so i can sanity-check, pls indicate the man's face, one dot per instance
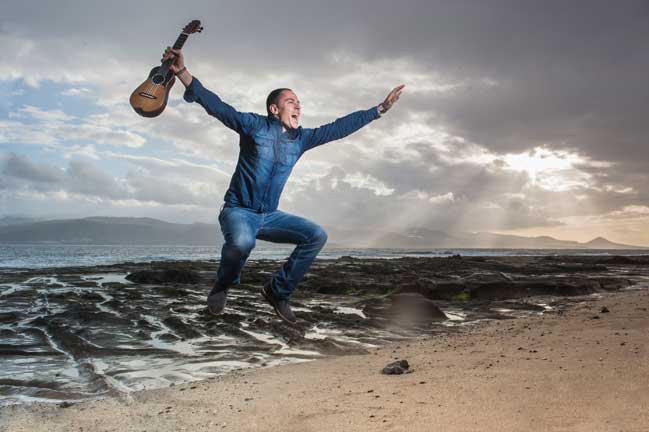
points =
(288, 109)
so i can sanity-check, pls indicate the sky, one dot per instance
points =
(518, 117)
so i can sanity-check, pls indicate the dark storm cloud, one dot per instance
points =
(567, 74)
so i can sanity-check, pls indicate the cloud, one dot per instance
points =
(76, 91)
(55, 128)
(494, 92)
(53, 116)
(85, 180)
(21, 168)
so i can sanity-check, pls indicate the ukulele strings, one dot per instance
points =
(150, 89)
(152, 86)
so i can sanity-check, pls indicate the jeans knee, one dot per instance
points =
(319, 237)
(241, 247)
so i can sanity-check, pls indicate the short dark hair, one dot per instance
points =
(273, 98)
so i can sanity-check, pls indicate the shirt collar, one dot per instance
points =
(291, 133)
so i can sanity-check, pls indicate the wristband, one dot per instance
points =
(181, 71)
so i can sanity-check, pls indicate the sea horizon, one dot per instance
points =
(46, 255)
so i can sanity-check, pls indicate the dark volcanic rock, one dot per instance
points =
(9, 317)
(89, 296)
(173, 291)
(17, 352)
(618, 260)
(179, 326)
(163, 276)
(70, 342)
(531, 287)
(87, 314)
(581, 267)
(613, 284)
(397, 368)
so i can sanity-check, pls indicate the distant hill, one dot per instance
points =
(119, 230)
(15, 220)
(602, 243)
(110, 230)
(425, 238)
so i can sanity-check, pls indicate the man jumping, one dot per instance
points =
(269, 147)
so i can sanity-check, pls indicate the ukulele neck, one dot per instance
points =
(180, 42)
(182, 38)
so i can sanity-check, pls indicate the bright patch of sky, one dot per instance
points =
(552, 170)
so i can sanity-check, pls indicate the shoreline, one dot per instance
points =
(560, 372)
(332, 254)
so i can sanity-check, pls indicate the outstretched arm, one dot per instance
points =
(195, 92)
(350, 123)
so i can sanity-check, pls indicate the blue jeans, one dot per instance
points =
(242, 226)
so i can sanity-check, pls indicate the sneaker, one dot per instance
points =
(282, 309)
(216, 300)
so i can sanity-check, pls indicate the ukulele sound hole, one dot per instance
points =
(158, 79)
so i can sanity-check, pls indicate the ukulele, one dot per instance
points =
(150, 98)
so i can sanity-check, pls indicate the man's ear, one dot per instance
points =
(274, 109)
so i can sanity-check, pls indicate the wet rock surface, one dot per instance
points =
(69, 334)
(164, 276)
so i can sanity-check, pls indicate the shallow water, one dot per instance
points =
(73, 334)
(63, 340)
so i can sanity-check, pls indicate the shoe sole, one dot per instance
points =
(263, 293)
(211, 312)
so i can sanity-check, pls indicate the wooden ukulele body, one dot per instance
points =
(150, 98)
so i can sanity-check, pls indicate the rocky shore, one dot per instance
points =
(76, 334)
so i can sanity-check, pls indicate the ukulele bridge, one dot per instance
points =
(147, 95)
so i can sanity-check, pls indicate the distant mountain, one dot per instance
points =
(424, 238)
(16, 220)
(490, 240)
(111, 230)
(602, 243)
(120, 230)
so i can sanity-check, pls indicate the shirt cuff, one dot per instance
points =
(192, 91)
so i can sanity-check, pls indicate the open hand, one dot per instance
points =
(392, 97)
(179, 61)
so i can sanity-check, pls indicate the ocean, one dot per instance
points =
(68, 255)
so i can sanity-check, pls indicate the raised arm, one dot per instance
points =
(349, 124)
(214, 106)
(338, 129)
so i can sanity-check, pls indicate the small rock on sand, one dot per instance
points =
(397, 368)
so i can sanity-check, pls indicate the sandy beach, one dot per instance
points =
(579, 370)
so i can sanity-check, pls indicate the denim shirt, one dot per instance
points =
(266, 154)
